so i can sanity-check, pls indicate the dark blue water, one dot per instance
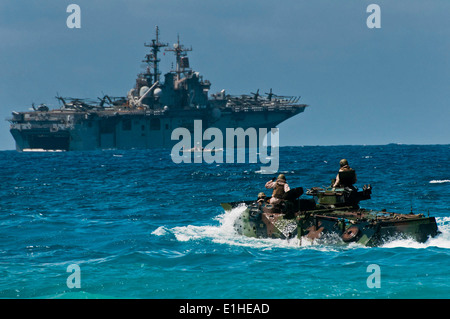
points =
(140, 226)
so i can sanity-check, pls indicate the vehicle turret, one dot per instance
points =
(337, 197)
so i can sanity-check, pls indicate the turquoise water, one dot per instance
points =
(140, 226)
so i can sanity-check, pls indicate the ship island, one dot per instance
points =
(151, 110)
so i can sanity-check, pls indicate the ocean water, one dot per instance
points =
(139, 226)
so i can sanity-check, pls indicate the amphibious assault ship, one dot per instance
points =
(152, 109)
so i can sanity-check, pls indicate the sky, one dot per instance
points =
(364, 86)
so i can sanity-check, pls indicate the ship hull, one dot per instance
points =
(131, 130)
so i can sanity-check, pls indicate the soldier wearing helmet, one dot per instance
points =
(280, 187)
(346, 176)
(261, 198)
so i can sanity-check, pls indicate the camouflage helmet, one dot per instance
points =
(261, 195)
(281, 176)
(343, 162)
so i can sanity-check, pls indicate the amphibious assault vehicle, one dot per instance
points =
(332, 213)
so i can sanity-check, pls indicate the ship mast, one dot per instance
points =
(152, 58)
(181, 57)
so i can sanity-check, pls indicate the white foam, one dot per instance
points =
(439, 181)
(224, 233)
(441, 241)
(160, 231)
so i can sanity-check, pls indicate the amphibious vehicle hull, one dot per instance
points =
(304, 218)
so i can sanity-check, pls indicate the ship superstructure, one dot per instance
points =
(152, 109)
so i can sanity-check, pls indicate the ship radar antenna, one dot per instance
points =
(152, 58)
(181, 57)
